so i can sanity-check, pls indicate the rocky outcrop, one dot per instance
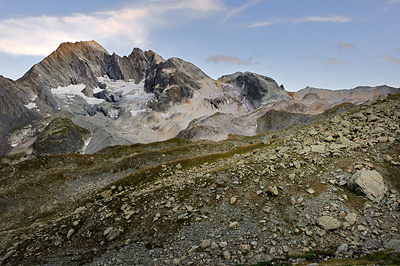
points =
(369, 183)
(255, 89)
(173, 81)
(61, 136)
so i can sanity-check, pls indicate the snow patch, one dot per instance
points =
(166, 115)
(97, 90)
(31, 105)
(87, 141)
(71, 91)
(169, 70)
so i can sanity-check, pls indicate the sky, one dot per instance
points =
(333, 44)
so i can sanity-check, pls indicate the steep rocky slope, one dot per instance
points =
(328, 189)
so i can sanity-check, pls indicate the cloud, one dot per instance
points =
(241, 8)
(333, 19)
(389, 4)
(345, 45)
(390, 58)
(227, 59)
(130, 25)
(334, 61)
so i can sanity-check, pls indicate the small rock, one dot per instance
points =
(223, 244)
(372, 118)
(285, 249)
(106, 194)
(214, 245)
(272, 250)
(318, 148)
(107, 231)
(273, 190)
(342, 249)
(233, 200)
(205, 243)
(310, 191)
(351, 218)
(245, 247)
(388, 158)
(227, 255)
(233, 225)
(300, 200)
(70, 233)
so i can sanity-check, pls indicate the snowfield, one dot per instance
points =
(71, 91)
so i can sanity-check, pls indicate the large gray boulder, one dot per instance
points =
(368, 183)
(328, 223)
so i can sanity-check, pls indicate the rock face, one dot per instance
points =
(173, 81)
(369, 183)
(255, 89)
(83, 63)
(61, 136)
(13, 112)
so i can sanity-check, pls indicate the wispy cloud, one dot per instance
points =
(227, 59)
(241, 8)
(345, 45)
(131, 25)
(333, 19)
(334, 61)
(390, 58)
(389, 4)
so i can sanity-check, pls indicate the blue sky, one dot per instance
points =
(331, 44)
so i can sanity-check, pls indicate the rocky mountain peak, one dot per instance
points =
(255, 88)
(79, 47)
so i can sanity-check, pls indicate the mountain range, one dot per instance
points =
(138, 160)
(142, 98)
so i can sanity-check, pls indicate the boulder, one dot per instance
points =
(328, 223)
(318, 148)
(368, 183)
(393, 245)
